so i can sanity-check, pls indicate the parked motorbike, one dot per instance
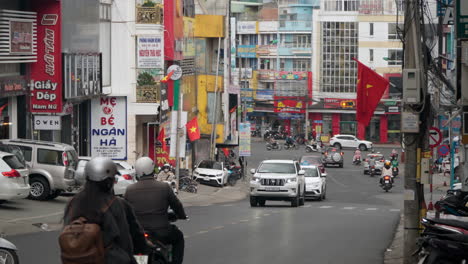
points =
(357, 161)
(372, 171)
(386, 183)
(454, 203)
(234, 174)
(8, 252)
(395, 171)
(443, 241)
(270, 146)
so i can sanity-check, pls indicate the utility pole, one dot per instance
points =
(413, 189)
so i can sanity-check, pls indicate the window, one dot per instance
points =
(302, 41)
(371, 55)
(14, 162)
(301, 65)
(27, 152)
(209, 164)
(395, 57)
(50, 157)
(393, 30)
(311, 172)
(211, 108)
(277, 168)
(371, 29)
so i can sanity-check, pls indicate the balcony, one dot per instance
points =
(294, 50)
(299, 2)
(267, 50)
(150, 15)
(295, 25)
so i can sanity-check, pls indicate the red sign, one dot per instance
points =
(46, 73)
(162, 157)
(285, 104)
(336, 102)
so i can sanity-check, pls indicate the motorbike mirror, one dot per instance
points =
(324, 175)
(252, 171)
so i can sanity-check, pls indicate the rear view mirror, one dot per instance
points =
(252, 171)
(301, 172)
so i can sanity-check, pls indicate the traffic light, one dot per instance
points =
(347, 104)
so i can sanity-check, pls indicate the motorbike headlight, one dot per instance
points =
(291, 180)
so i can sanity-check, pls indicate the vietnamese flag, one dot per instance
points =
(161, 138)
(370, 89)
(192, 129)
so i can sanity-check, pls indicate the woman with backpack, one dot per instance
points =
(100, 228)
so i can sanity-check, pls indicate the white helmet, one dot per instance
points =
(99, 169)
(144, 166)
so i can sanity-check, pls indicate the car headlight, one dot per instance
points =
(315, 185)
(291, 180)
(195, 173)
(219, 174)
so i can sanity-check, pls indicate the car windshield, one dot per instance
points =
(375, 156)
(209, 164)
(277, 168)
(309, 160)
(310, 172)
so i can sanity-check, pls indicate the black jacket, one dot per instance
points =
(151, 200)
(121, 232)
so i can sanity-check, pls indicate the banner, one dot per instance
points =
(285, 104)
(150, 52)
(109, 127)
(46, 73)
(182, 137)
(162, 157)
(244, 140)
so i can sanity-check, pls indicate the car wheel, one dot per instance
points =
(40, 189)
(337, 145)
(308, 150)
(295, 201)
(362, 147)
(268, 148)
(253, 201)
(262, 202)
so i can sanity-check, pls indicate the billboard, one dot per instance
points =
(150, 52)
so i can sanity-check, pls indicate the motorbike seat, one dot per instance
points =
(448, 222)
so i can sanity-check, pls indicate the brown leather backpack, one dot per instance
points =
(81, 242)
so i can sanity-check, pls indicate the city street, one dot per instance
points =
(355, 224)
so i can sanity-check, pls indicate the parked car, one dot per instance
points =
(125, 174)
(13, 178)
(350, 141)
(210, 171)
(379, 162)
(13, 150)
(281, 180)
(332, 156)
(52, 166)
(313, 161)
(315, 182)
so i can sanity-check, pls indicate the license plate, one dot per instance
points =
(387, 181)
(272, 189)
(206, 178)
(141, 259)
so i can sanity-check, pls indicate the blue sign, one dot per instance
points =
(443, 150)
(442, 6)
(247, 51)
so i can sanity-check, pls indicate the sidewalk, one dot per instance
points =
(208, 195)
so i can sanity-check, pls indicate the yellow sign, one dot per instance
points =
(427, 154)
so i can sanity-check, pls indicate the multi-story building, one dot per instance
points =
(366, 30)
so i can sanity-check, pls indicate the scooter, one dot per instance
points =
(372, 171)
(173, 186)
(8, 252)
(270, 146)
(314, 147)
(395, 171)
(386, 183)
(454, 204)
(357, 161)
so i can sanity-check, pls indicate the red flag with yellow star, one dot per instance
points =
(370, 89)
(192, 129)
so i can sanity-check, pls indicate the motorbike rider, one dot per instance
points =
(357, 154)
(273, 142)
(122, 234)
(151, 200)
(394, 163)
(289, 141)
(166, 175)
(386, 171)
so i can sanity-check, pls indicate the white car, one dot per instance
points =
(350, 141)
(210, 171)
(125, 175)
(280, 180)
(379, 162)
(315, 183)
(14, 182)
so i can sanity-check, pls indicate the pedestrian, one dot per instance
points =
(121, 234)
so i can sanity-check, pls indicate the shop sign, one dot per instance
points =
(47, 122)
(462, 19)
(21, 37)
(162, 157)
(268, 26)
(282, 75)
(247, 51)
(82, 75)
(264, 94)
(290, 116)
(46, 73)
(244, 140)
(12, 87)
(109, 127)
(393, 109)
(284, 104)
(233, 43)
(189, 45)
(336, 103)
(150, 52)
(164, 107)
(246, 27)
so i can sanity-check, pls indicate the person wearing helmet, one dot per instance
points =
(357, 154)
(122, 234)
(151, 200)
(167, 175)
(386, 171)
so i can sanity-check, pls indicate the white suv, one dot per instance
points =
(350, 141)
(277, 180)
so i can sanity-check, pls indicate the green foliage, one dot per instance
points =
(149, 3)
(144, 78)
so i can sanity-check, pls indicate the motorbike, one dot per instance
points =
(443, 241)
(291, 146)
(395, 171)
(161, 253)
(454, 203)
(386, 183)
(8, 252)
(313, 147)
(372, 171)
(270, 146)
(173, 186)
(234, 174)
(300, 139)
(357, 161)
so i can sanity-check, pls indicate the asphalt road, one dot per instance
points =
(355, 224)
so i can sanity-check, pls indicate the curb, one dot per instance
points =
(394, 253)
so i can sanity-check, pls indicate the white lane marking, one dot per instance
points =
(234, 223)
(34, 217)
(307, 206)
(371, 209)
(349, 208)
(226, 205)
(186, 237)
(244, 220)
(257, 217)
(202, 232)
(266, 214)
(395, 210)
(326, 206)
(217, 227)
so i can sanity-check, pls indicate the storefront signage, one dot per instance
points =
(21, 37)
(290, 116)
(337, 103)
(284, 104)
(12, 86)
(82, 76)
(246, 27)
(393, 109)
(233, 43)
(47, 122)
(264, 94)
(268, 26)
(244, 140)
(247, 51)
(282, 75)
(109, 127)
(462, 19)
(189, 45)
(46, 73)
(150, 52)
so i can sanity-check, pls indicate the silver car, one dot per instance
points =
(125, 175)
(379, 162)
(13, 178)
(52, 166)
